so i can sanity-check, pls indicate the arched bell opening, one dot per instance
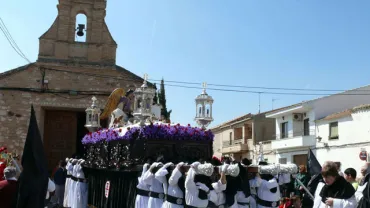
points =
(81, 28)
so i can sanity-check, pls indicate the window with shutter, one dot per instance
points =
(333, 128)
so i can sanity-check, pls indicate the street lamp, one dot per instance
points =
(93, 116)
(143, 102)
(203, 104)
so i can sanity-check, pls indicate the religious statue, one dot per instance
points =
(119, 117)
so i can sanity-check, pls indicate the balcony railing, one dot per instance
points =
(232, 143)
(295, 140)
(235, 146)
(293, 134)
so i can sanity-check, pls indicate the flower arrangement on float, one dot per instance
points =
(150, 132)
(112, 147)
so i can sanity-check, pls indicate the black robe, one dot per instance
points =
(340, 189)
(365, 200)
(235, 184)
(33, 181)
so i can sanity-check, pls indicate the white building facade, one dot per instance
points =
(296, 125)
(344, 136)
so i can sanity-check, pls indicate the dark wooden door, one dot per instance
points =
(300, 159)
(59, 136)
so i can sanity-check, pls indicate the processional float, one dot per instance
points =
(136, 132)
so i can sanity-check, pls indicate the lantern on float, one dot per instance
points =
(203, 104)
(143, 102)
(93, 116)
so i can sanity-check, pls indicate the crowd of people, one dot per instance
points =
(66, 188)
(165, 185)
(70, 184)
(8, 188)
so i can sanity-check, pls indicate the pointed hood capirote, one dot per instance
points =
(33, 181)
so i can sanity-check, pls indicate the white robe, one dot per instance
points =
(337, 203)
(359, 194)
(72, 187)
(154, 186)
(240, 197)
(81, 189)
(174, 189)
(51, 188)
(284, 178)
(192, 191)
(142, 201)
(217, 196)
(264, 192)
(69, 168)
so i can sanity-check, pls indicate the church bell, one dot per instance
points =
(80, 29)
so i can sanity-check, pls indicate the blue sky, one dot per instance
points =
(270, 43)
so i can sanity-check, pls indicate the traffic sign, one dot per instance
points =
(363, 155)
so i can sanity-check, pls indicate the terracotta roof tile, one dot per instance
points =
(337, 115)
(240, 118)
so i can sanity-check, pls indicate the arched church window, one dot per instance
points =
(81, 26)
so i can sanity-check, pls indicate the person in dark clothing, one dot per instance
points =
(8, 188)
(60, 177)
(304, 178)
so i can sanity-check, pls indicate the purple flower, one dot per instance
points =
(150, 132)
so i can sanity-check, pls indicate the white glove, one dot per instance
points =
(168, 165)
(195, 165)
(145, 166)
(153, 166)
(202, 186)
(159, 164)
(178, 166)
(224, 168)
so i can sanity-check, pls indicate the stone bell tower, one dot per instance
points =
(58, 45)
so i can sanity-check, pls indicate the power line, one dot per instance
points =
(11, 41)
(214, 89)
(156, 81)
(54, 91)
(262, 92)
(181, 86)
(14, 45)
(255, 87)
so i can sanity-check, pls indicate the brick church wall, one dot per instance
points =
(15, 106)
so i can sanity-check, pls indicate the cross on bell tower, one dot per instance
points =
(58, 44)
(204, 87)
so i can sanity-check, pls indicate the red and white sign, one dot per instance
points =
(363, 155)
(107, 187)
